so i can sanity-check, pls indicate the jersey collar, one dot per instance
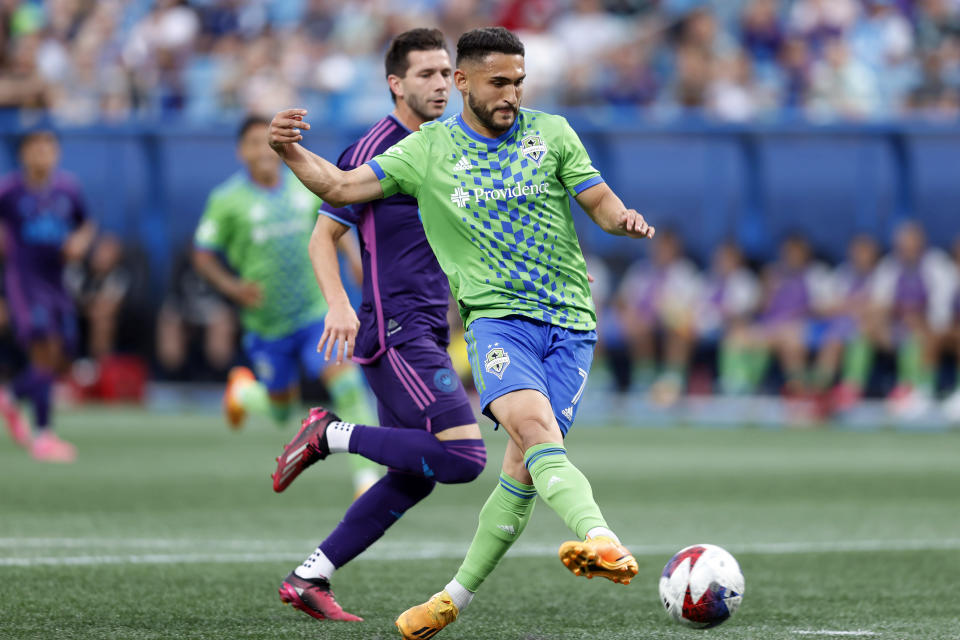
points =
(490, 142)
(274, 190)
(399, 124)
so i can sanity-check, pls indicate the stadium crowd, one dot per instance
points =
(731, 60)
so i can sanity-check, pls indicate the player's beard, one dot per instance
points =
(485, 116)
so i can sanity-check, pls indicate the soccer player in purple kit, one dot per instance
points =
(44, 225)
(401, 337)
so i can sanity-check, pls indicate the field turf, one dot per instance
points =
(167, 527)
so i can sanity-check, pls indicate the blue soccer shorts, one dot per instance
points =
(513, 353)
(277, 361)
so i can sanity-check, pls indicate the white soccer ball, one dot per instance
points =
(701, 586)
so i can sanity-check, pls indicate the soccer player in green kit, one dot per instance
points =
(492, 185)
(258, 222)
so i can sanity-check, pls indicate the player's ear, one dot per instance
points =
(394, 83)
(460, 80)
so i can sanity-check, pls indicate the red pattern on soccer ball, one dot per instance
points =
(693, 553)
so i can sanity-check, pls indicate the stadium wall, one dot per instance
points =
(709, 182)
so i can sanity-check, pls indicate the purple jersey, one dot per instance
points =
(405, 294)
(910, 295)
(789, 297)
(35, 225)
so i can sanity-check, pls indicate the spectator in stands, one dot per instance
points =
(21, 85)
(794, 290)
(656, 305)
(156, 51)
(913, 290)
(761, 30)
(726, 303)
(841, 86)
(847, 327)
(821, 21)
(937, 22)
(794, 72)
(193, 312)
(109, 287)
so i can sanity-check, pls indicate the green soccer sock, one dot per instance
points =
(280, 410)
(351, 403)
(911, 366)
(757, 362)
(254, 398)
(564, 488)
(857, 360)
(502, 519)
(734, 370)
(350, 399)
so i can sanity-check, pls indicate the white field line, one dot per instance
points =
(833, 632)
(192, 551)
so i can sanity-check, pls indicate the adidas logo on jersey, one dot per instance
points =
(508, 528)
(568, 413)
(393, 326)
(462, 164)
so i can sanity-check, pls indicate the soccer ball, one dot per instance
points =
(701, 586)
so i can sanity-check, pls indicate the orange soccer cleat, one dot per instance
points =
(232, 408)
(427, 619)
(600, 556)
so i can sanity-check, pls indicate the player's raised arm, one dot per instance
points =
(325, 179)
(606, 209)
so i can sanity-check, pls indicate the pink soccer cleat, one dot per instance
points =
(17, 426)
(308, 446)
(49, 448)
(314, 598)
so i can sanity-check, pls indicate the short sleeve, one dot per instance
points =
(213, 231)
(402, 167)
(575, 170)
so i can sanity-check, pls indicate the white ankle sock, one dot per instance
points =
(316, 566)
(603, 531)
(460, 595)
(338, 436)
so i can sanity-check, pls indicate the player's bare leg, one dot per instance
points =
(528, 418)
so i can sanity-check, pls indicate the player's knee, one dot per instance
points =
(415, 488)
(534, 429)
(464, 461)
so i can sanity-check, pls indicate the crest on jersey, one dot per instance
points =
(496, 361)
(532, 147)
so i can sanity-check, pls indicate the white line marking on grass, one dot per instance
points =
(833, 632)
(194, 551)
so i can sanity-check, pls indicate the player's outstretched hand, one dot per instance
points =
(286, 127)
(247, 294)
(340, 328)
(633, 225)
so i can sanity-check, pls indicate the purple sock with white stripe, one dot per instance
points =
(421, 453)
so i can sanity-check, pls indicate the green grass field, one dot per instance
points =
(167, 527)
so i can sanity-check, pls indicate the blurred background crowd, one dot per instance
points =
(729, 60)
(883, 322)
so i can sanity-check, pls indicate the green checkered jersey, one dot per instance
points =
(263, 235)
(497, 214)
